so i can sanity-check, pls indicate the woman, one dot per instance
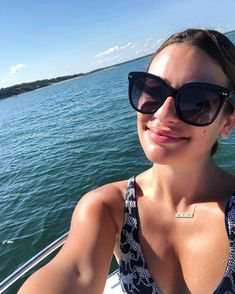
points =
(168, 235)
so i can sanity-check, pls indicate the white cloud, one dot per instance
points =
(4, 81)
(113, 50)
(107, 52)
(16, 68)
(121, 53)
(128, 45)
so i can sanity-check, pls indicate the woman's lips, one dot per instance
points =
(165, 137)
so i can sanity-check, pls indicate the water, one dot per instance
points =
(59, 142)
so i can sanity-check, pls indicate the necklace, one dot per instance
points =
(183, 214)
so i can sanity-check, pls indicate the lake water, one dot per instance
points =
(59, 142)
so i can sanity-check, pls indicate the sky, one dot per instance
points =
(51, 38)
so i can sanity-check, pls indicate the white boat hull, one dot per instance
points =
(113, 285)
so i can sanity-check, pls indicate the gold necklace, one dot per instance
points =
(182, 214)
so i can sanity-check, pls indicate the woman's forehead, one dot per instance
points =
(181, 63)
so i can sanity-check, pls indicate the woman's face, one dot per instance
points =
(164, 138)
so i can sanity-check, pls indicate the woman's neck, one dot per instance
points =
(184, 185)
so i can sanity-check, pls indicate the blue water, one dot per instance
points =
(59, 142)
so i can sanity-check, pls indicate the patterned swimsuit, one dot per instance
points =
(133, 272)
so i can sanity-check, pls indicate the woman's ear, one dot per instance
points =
(229, 123)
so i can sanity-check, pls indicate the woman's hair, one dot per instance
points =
(217, 46)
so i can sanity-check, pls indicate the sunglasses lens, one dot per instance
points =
(147, 94)
(198, 105)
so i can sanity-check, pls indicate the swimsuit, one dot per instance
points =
(133, 272)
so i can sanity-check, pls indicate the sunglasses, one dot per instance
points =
(197, 104)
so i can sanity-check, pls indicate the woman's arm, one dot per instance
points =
(83, 263)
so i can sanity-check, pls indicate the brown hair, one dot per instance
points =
(217, 46)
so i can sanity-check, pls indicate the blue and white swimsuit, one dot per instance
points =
(133, 272)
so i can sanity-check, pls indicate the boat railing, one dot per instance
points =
(12, 278)
(112, 283)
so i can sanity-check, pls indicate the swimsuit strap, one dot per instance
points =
(131, 210)
(230, 218)
(228, 281)
(133, 273)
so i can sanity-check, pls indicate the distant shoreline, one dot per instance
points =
(27, 87)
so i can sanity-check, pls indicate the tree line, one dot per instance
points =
(26, 87)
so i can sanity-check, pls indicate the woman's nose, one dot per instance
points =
(167, 112)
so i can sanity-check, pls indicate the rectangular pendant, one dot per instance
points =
(184, 215)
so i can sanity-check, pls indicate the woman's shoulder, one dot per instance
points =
(109, 193)
(107, 198)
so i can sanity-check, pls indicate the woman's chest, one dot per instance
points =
(186, 254)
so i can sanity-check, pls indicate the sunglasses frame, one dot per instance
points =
(223, 93)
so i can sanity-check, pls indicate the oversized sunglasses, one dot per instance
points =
(196, 104)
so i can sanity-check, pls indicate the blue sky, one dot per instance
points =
(48, 38)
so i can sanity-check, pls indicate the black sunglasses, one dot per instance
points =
(196, 104)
